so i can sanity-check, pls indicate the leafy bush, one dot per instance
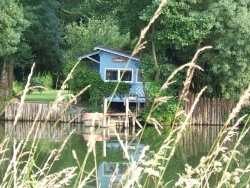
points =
(164, 111)
(17, 87)
(37, 81)
(99, 89)
(48, 81)
(42, 80)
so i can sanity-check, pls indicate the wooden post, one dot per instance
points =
(126, 139)
(126, 112)
(105, 105)
(104, 142)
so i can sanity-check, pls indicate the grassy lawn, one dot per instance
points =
(44, 96)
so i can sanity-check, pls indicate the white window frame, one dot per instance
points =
(119, 70)
(137, 74)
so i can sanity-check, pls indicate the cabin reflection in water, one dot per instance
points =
(113, 174)
(110, 173)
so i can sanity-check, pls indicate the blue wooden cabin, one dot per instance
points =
(111, 63)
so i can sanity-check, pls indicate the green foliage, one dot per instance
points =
(187, 25)
(184, 25)
(42, 80)
(82, 38)
(228, 64)
(246, 111)
(17, 87)
(12, 24)
(94, 109)
(37, 81)
(47, 81)
(180, 24)
(122, 90)
(165, 112)
(125, 11)
(23, 58)
(152, 137)
(42, 40)
(84, 76)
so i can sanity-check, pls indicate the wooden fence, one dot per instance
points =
(43, 112)
(208, 111)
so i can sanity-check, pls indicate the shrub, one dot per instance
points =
(99, 89)
(42, 80)
(48, 81)
(17, 87)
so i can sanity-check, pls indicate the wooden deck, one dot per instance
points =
(116, 126)
(111, 118)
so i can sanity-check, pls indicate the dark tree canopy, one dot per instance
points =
(41, 42)
(188, 25)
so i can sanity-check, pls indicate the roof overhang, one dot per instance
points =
(97, 50)
(89, 56)
(116, 53)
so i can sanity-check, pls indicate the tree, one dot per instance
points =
(12, 24)
(74, 11)
(42, 40)
(125, 11)
(82, 38)
(228, 65)
(185, 26)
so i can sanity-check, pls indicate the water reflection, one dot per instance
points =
(111, 174)
(40, 130)
(55, 131)
(198, 140)
(195, 143)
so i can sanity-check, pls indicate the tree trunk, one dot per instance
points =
(6, 78)
(4, 81)
(157, 74)
(10, 76)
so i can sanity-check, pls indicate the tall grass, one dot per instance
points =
(149, 170)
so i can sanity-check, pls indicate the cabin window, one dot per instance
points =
(127, 75)
(116, 75)
(111, 75)
(139, 77)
